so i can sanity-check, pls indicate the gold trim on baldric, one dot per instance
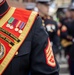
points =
(22, 37)
(7, 16)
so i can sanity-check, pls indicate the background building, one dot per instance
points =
(22, 2)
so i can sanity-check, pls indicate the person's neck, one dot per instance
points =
(41, 14)
(3, 8)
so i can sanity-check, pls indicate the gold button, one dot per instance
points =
(16, 53)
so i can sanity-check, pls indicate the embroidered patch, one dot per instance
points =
(49, 55)
(50, 27)
(2, 51)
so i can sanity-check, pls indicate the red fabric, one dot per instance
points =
(19, 14)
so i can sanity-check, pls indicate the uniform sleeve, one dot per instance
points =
(42, 58)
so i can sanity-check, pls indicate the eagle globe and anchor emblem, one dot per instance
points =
(2, 51)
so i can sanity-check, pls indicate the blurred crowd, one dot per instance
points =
(60, 29)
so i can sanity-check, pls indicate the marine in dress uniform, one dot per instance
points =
(49, 24)
(24, 45)
(65, 21)
(68, 35)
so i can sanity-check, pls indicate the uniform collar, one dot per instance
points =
(3, 8)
